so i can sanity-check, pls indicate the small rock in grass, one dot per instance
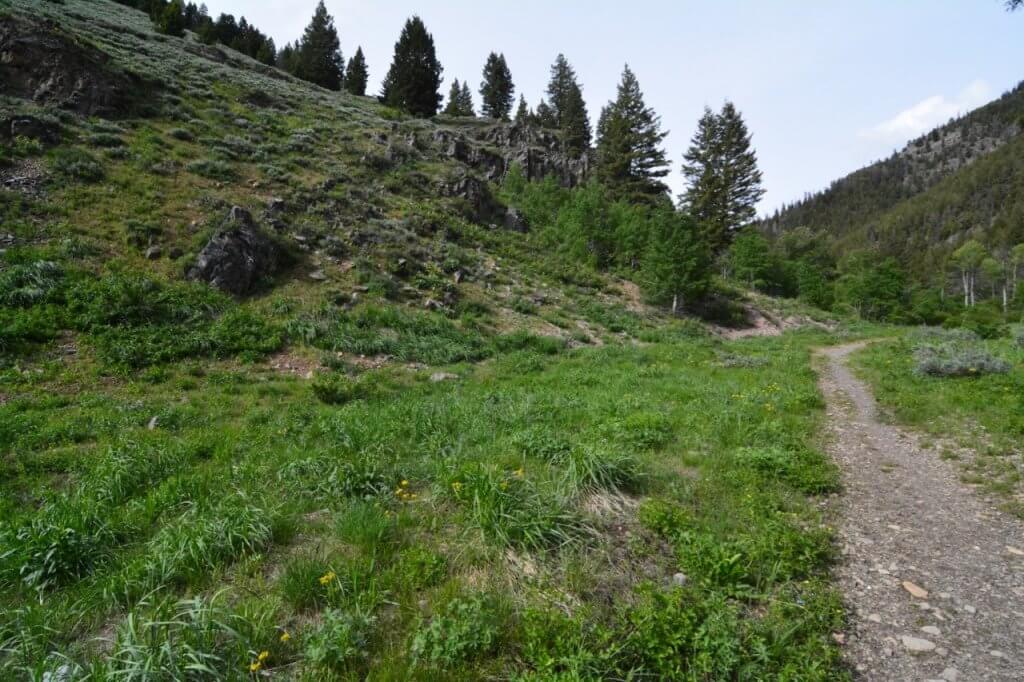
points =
(679, 579)
(152, 423)
(915, 590)
(153, 253)
(437, 377)
(916, 645)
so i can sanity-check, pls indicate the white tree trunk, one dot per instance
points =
(967, 288)
(1006, 300)
(675, 303)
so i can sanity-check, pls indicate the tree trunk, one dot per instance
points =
(1006, 300)
(972, 289)
(675, 303)
(967, 289)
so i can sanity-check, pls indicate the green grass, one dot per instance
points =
(983, 412)
(250, 488)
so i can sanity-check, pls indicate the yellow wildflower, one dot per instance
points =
(327, 577)
(255, 666)
(519, 473)
(264, 655)
(404, 483)
(285, 636)
(457, 486)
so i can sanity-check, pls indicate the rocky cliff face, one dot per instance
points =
(39, 62)
(493, 149)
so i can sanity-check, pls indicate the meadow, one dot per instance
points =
(626, 511)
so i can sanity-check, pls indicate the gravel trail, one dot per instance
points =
(932, 574)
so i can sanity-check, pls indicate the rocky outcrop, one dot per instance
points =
(237, 257)
(480, 203)
(39, 62)
(46, 132)
(492, 150)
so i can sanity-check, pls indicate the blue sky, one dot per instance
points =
(825, 86)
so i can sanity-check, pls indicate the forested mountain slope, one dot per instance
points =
(963, 178)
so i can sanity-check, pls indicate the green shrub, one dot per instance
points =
(76, 164)
(181, 134)
(524, 340)
(465, 630)
(105, 140)
(31, 284)
(957, 360)
(212, 169)
(984, 320)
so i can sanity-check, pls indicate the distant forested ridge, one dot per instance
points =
(964, 179)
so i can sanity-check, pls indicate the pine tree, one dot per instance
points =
(357, 74)
(172, 19)
(575, 122)
(630, 160)
(496, 89)
(319, 57)
(568, 111)
(676, 269)
(466, 101)
(545, 115)
(523, 113)
(742, 178)
(563, 78)
(723, 181)
(414, 79)
(454, 106)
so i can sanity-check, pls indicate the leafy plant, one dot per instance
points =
(464, 630)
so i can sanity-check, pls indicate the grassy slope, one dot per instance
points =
(982, 413)
(506, 551)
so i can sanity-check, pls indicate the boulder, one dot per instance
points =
(515, 221)
(237, 257)
(47, 132)
(481, 203)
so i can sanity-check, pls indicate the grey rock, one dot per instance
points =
(437, 377)
(515, 221)
(237, 257)
(153, 253)
(679, 579)
(917, 645)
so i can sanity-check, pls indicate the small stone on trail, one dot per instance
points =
(970, 609)
(917, 645)
(874, 618)
(839, 637)
(915, 590)
(1014, 550)
(931, 630)
(950, 675)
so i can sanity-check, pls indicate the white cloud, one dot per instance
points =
(929, 113)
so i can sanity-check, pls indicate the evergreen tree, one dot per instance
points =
(568, 111)
(356, 75)
(496, 90)
(523, 113)
(563, 78)
(319, 57)
(630, 160)
(466, 101)
(414, 80)
(545, 115)
(739, 164)
(172, 19)
(676, 269)
(723, 181)
(267, 52)
(575, 122)
(454, 106)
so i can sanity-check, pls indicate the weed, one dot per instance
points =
(341, 643)
(464, 630)
(76, 164)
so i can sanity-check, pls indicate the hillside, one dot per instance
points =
(291, 386)
(963, 178)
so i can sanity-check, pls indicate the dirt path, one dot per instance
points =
(932, 574)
